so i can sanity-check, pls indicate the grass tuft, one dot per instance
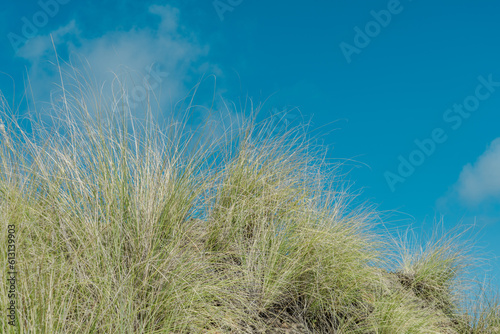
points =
(123, 226)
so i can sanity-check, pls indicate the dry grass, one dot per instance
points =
(126, 227)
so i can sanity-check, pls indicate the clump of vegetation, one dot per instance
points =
(123, 226)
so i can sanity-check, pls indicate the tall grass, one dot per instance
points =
(123, 226)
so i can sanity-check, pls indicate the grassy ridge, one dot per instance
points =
(126, 227)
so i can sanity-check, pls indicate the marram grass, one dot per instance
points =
(124, 226)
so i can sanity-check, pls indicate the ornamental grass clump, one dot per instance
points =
(126, 226)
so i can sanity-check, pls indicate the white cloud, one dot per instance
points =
(172, 50)
(480, 182)
(178, 57)
(39, 46)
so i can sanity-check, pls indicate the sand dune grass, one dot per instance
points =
(126, 227)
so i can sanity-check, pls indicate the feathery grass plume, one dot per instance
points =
(123, 226)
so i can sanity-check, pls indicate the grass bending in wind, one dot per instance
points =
(126, 227)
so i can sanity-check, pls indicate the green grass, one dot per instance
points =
(123, 226)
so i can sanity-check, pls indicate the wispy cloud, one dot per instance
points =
(480, 181)
(475, 197)
(178, 58)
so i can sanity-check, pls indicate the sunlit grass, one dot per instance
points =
(123, 226)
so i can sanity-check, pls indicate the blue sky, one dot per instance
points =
(407, 93)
